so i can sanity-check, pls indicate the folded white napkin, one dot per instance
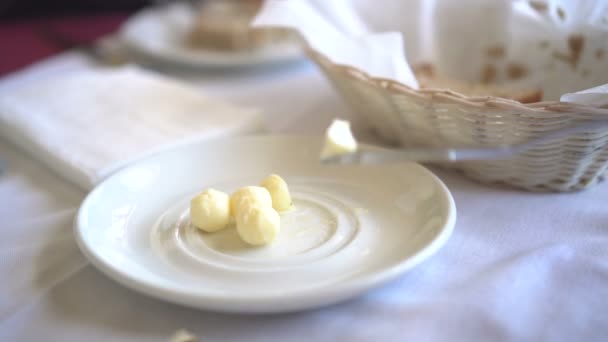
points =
(87, 124)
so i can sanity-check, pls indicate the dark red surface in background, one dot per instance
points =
(22, 43)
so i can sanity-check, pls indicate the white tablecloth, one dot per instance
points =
(520, 266)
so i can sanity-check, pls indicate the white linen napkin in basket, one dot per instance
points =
(87, 124)
(597, 96)
(333, 28)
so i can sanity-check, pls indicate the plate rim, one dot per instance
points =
(296, 300)
(234, 59)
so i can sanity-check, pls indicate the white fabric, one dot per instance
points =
(454, 36)
(327, 27)
(519, 267)
(597, 96)
(87, 124)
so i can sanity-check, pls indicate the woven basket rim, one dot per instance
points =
(449, 96)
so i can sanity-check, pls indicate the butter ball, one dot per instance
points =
(279, 192)
(210, 210)
(258, 225)
(249, 195)
(339, 140)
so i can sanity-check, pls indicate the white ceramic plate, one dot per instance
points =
(157, 35)
(352, 228)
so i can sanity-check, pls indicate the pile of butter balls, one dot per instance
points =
(255, 210)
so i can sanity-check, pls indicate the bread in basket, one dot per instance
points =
(556, 47)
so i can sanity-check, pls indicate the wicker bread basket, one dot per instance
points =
(439, 117)
(485, 49)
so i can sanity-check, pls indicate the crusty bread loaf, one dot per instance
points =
(428, 78)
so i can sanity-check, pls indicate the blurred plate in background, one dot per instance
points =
(159, 35)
